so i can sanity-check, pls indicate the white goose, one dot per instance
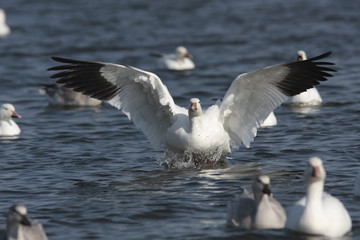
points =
(58, 95)
(311, 96)
(257, 209)
(205, 135)
(4, 29)
(318, 213)
(8, 127)
(178, 61)
(20, 227)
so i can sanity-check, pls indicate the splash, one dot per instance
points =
(193, 160)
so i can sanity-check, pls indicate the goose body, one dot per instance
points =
(4, 28)
(58, 95)
(178, 61)
(257, 209)
(311, 96)
(318, 213)
(233, 122)
(8, 127)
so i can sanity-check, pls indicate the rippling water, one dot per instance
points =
(90, 174)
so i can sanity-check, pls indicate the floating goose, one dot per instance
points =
(207, 135)
(310, 97)
(257, 209)
(4, 29)
(318, 213)
(58, 95)
(179, 61)
(8, 127)
(20, 227)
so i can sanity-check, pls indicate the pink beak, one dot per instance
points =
(193, 106)
(188, 55)
(316, 171)
(15, 115)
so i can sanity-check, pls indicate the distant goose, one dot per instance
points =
(270, 121)
(318, 213)
(178, 61)
(4, 29)
(20, 227)
(58, 95)
(8, 127)
(257, 209)
(310, 97)
(205, 136)
(357, 185)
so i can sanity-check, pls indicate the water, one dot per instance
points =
(90, 174)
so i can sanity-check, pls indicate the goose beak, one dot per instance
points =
(15, 115)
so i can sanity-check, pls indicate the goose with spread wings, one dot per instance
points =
(232, 122)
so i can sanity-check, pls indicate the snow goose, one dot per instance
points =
(58, 95)
(4, 29)
(207, 135)
(318, 213)
(19, 226)
(311, 96)
(357, 185)
(8, 127)
(178, 61)
(257, 209)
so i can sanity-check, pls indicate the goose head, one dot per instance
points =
(315, 171)
(301, 55)
(17, 215)
(181, 53)
(194, 108)
(261, 186)
(7, 111)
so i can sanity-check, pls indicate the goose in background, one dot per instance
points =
(201, 136)
(4, 28)
(178, 61)
(311, 96)
(8, 127)
(256, 209)
(318, 213)
(58, 95)
(20, 227)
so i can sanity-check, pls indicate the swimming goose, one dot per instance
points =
(20, 227)
(58, 95)
(178, 61)
(318, 213)
(204, 135)
(311, 96)
(257, 209)
(8, 127)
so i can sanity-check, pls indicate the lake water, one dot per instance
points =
(90, 174)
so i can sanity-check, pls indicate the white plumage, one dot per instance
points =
(256, 209)
(8, 127)
(4, 28)
(318, 213)
(178, 61)
(147, 102)
(20, 227)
